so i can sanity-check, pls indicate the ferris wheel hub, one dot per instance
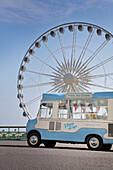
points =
(69, 79)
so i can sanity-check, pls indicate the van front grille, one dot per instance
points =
(51, 125)
(58, 125)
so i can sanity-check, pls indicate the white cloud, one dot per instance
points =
(20, 11)
(36, 10)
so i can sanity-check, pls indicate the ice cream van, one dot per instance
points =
(77, 118)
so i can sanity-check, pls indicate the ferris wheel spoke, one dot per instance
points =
(54, 57)
(84, 83)
(68, 89)
(84, 86)
(85, 78)
(76, 87)
(30, 79)
(101, 75)
(56, 84)
(56, 80)
(43, 74)
(74, 63)
(55, 89)
(83, 66)
(61, 70)
(60, 90)
(84, 51)
(57, 74)
(72, 86)
(47, 64)
(37, 98)
(102, 63)
(33, 100)
(69, 66)
(38, 85)
(63, 52)
(64, 67)
(85, 73)
(73, 47)
(64, 88)
(98, 86)
(96, 66)
(80, 89)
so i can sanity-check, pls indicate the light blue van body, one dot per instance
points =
(69, 132)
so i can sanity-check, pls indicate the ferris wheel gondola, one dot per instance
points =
(72, 57)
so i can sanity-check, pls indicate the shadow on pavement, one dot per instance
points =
(19, 146)
(57, 147)
(73, 148)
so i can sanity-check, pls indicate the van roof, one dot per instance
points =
(82, 95)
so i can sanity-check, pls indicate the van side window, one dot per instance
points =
(63, 109)
(88, 109)
(46, 110)
(102, 109)
(77, 109)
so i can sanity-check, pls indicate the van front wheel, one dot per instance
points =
(34, 140)
(94, 142)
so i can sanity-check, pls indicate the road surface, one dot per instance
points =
(16, 155)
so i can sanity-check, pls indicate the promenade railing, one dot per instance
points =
(13, 133)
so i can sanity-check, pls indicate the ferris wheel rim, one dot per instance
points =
(85, 23)
(58, 26)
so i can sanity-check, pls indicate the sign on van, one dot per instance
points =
(78, 95)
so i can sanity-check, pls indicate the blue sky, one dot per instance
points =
(21, 22)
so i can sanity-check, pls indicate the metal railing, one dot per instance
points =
(13, 133)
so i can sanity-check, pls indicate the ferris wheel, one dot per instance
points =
(72, 57)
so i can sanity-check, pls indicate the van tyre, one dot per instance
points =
(94, 142)
(34, 140)
(106, 147)
(49, 144)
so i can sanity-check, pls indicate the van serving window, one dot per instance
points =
(63, 109)
(83, 109)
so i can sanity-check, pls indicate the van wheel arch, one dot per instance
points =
(34, 131)
(94, 142)
(90, 135)
(34, 138)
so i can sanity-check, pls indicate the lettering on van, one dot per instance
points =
(70, 126)
(78, 95)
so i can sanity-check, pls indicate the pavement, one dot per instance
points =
(17, 155)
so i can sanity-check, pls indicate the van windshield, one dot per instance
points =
(46, 110)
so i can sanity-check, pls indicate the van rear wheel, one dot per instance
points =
(34, 140)
(94, 142)
(49, 144)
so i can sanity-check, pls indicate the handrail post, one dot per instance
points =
(18, 133)
(8, 132)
